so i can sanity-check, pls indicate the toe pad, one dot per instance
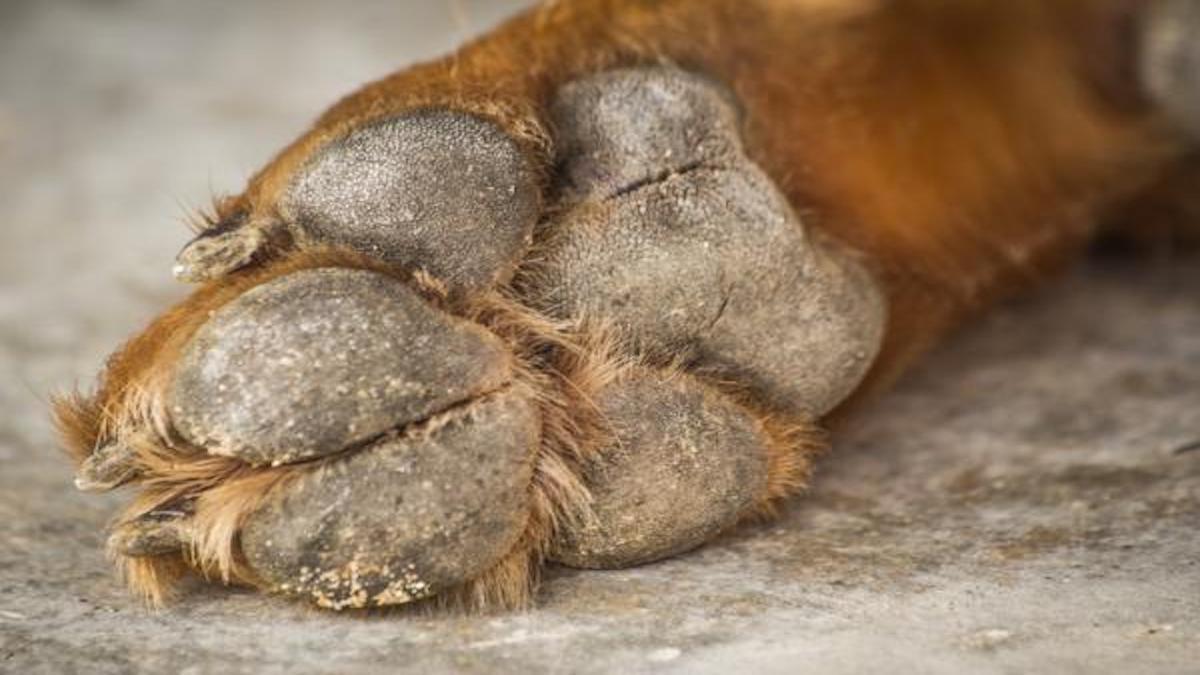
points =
(439, 190)
(405, 518)
(318, 360)
(685, 464)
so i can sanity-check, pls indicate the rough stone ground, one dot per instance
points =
(1016, 506)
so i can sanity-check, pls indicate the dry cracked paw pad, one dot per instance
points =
(394, 446)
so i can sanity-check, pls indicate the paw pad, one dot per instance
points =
(438, 190)
(685, 463)
(406, 517)
(319, 360)
(687, 248)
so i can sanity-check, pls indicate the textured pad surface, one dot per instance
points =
(689, 123)
(439, 190)
(406, 517)
(685, 464)
(687, 248)
(319, 360)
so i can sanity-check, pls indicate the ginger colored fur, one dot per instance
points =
(962, 146)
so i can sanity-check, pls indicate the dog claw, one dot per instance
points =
(159, 532)
(218, 252)
(108, 467)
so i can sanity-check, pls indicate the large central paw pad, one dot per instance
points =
(683, 244)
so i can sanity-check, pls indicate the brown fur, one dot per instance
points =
(963, 146)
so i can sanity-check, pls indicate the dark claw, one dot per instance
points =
(159, 532)
(109, 466)
(218, 252)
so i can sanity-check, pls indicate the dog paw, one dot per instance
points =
(477, 383)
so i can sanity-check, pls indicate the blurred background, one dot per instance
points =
(118, 116)
(1020, 504)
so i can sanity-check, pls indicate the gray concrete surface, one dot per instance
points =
(1016, 506)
